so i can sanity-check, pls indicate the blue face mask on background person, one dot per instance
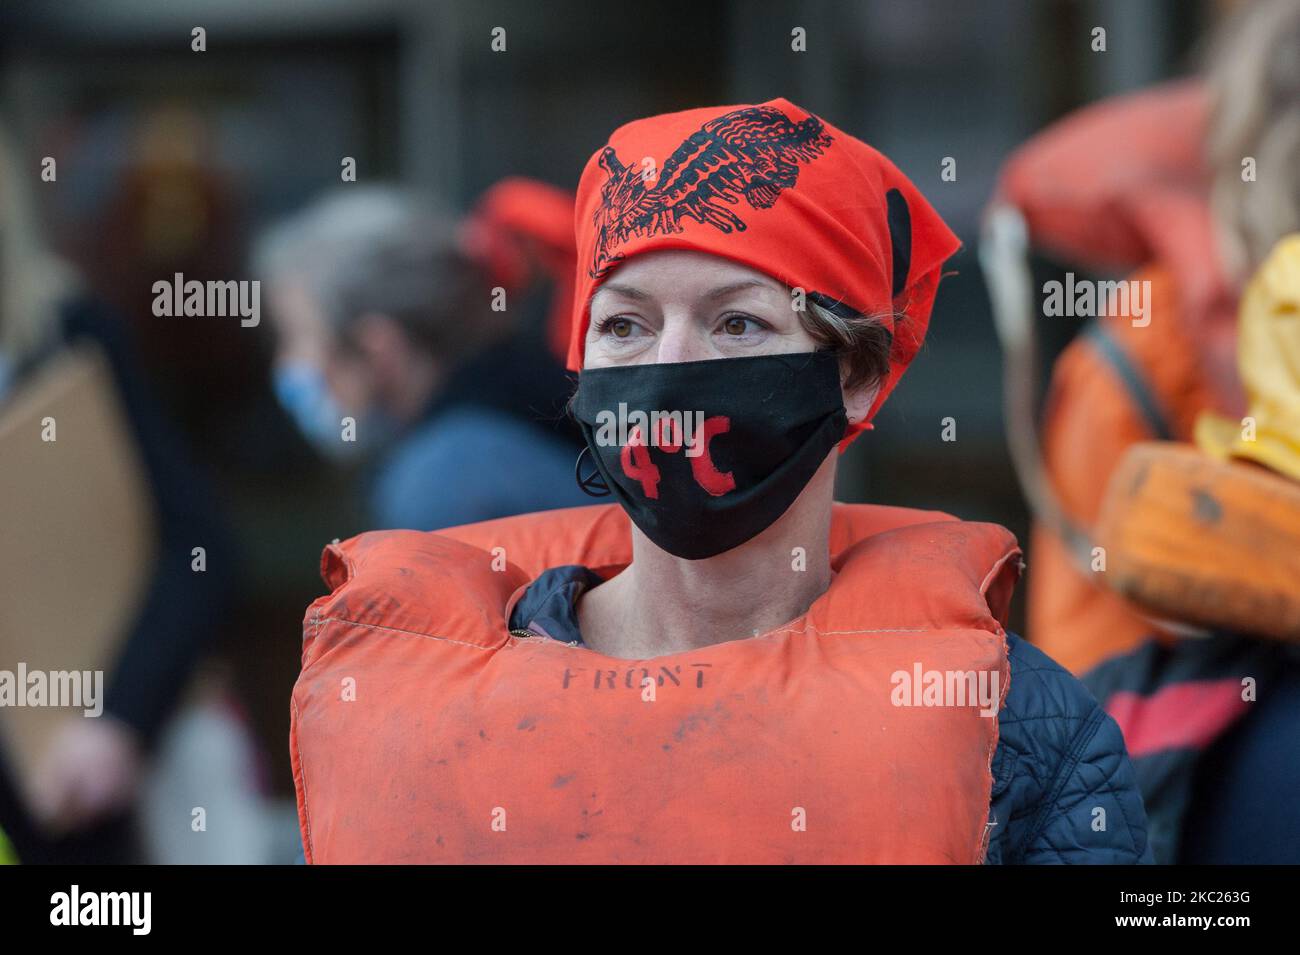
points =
(303, 392)
(6, 375)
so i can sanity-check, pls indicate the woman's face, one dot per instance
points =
(677, 305)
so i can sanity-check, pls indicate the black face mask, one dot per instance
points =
(705, 455)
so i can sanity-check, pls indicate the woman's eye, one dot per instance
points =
(737, 325)
(617, 327)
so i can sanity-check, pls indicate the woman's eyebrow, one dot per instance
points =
(630, 291)
(722, 291)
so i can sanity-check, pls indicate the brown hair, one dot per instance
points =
(863, 342)
(1254, 80)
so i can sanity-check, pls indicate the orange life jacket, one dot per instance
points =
(1110, 389)
(424, 731)
(1144, 206)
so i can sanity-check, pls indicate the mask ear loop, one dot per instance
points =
(593, 484)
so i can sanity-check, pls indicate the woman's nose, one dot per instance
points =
(682, 340)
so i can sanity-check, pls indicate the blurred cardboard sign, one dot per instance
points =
(77, 536)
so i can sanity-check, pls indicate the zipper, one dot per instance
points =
(529, 635)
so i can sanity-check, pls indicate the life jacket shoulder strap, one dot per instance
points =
(599, 536)
(413, 584)
(897, 569)
(938, 575)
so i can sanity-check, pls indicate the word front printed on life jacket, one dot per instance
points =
(635, 678)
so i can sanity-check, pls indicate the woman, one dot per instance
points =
(747, 671)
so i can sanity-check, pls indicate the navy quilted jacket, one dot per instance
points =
(1063, 788)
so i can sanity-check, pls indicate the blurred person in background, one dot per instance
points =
(1193, 183)
(393, 342)
(82, 801)
(521, 231)
(1207, 537)
(1175, 200)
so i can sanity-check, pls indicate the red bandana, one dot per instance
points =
(776, 189)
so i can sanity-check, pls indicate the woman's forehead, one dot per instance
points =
(683, 272)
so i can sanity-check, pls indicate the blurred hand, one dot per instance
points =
(92, 769)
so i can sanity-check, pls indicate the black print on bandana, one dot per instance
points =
(752, 153)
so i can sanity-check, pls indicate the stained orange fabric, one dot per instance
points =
(1122, 185)
(1089, 422)
(1083, 183)
(464, 744)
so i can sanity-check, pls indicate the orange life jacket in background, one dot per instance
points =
(424, 731)
(1111, 388)
(1117, 186)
